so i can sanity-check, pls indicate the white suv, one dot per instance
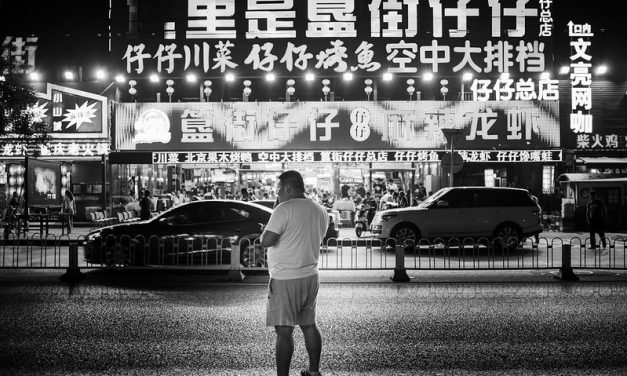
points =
(506, 213)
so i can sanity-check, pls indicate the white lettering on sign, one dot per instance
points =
(327, 125)
(468, 156)
(360, 128)
(331, 18)
(523, 89)
(406, 57)
(210, 19)
(277, 16)
(390, 12)
(481, 124)
(265, 63)
(593, 141)
(580, 78)
(302, 57)
(21, 51)
(546, 18)
(281, 130)
(196, 126)
(243, 126)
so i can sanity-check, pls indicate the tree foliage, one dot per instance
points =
(17, 98)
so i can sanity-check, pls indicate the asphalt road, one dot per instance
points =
(188, 325)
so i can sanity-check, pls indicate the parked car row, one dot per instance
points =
(505, 214)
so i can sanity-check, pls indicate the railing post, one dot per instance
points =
(400, 274)
(73, 273)
(235, 273)
(566, 271)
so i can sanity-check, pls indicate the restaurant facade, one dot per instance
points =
(228, 94)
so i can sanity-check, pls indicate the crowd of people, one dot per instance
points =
(350, 198)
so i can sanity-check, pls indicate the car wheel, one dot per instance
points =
(117, 256)
(359, 229)
(405, 232)
(507, 237)
(251, 258)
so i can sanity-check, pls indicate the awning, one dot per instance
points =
(602, 160)
(578, 177)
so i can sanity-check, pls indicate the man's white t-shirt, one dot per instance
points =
(301, 225)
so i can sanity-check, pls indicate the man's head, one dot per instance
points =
(147, 193)
(593, 194)
(291, 185)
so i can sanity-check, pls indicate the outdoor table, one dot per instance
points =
(46, 218)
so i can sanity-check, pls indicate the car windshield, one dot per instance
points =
(433, 198)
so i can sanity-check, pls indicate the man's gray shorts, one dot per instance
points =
(292, 301)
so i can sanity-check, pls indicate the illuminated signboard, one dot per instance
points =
(55, 149)
(72, 113)
(335, 125)
(288, 36)
(581, 77)
(469, 156)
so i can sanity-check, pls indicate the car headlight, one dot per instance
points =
(93, 236)
(385, 217)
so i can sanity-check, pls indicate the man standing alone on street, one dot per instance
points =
(596, 213)
(293, 235)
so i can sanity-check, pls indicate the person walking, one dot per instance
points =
(145, 204)
(293, 237)
(69, 209)
(596, 214)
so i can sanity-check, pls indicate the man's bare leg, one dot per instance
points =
(313, 344)
(284, 349)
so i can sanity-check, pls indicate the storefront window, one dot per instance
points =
(548, 182)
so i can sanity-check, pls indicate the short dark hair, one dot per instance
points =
(294, 179)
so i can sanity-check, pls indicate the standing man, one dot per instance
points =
(596, 213)
(145, 204)
(293, 236)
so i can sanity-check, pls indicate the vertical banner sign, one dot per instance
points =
(580, 77)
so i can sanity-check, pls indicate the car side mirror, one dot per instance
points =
(442, 204)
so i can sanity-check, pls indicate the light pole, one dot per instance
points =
(450, 133)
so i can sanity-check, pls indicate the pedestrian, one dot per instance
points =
(596, 214)
(293, 237)
(244, 193)
(421, 192)
(402, 200)
(68, 208)
(145, 204)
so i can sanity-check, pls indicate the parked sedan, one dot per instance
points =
(198, 232)
(333, 231)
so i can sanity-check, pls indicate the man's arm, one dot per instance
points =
(269, 238)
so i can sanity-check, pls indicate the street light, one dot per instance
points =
(450, 134)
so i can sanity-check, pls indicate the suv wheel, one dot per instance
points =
(507, 236)
(117, 256)
(405, 232)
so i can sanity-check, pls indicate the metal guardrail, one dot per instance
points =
(202, 252)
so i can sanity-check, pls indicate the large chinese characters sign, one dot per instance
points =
(492, 125)
(289, 36)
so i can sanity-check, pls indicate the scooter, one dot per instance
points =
(363, 218)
